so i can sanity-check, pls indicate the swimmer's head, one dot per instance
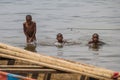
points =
(28, 18)
(95, 35)
(59, 37)
(95, 38)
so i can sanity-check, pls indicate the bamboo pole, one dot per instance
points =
(57, 62)
(82, 68)
(66, 69)
(4, 46)
(44, 58)
(22, 51)
(30, 70)
(20, 66)
(37, 55)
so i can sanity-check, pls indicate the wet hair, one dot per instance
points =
(28, 16)
(95, 35)
(59, 35)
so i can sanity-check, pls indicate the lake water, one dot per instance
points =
(76, 19)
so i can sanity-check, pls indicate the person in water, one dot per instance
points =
(95, 39)
(60, 42)
(29, 28)
(95, 42)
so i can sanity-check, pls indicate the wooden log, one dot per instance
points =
(46, 59)
(66, 69)
(53, 62)
(28, 70)
(84, 69)
(23, 54)
(20, 66)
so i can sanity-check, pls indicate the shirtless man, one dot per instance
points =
(60, 42)
(95, 39)
(29, 28)
(95, 42)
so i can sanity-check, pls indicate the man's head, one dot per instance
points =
(28, 18)
(59, 37)
(95, 35)
(95, 38)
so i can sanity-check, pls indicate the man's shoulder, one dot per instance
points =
(102, 43)
(90, 42)
(24, 23)
(34, 22)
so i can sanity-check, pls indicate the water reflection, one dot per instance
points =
(30, 47)
(60, 51)
(95, 59)
(94, 47)
(95, 52)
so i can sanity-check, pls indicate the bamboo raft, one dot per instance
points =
(48, 65)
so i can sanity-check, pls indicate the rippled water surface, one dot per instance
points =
(76, 19)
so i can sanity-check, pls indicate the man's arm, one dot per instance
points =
(34, 31)
(90, 42)
(24, 29)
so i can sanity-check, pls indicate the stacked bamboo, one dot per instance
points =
(55, 63)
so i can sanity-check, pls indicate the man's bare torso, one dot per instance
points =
(29, 29)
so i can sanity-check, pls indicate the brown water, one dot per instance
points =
(76, 19)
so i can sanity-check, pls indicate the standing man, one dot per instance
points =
(29, 28)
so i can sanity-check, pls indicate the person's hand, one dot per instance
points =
(31, 39)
